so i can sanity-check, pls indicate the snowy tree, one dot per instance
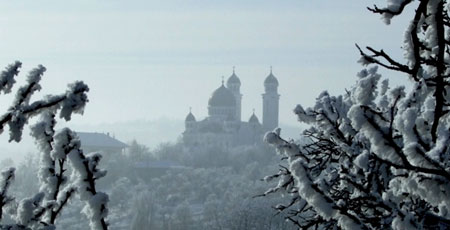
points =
(144, 211)
(377, 157)
(58, 149)
(26, 181)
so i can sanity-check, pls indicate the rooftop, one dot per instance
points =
(100, 140)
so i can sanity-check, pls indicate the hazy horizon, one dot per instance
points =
(147, 59)
(150, 60)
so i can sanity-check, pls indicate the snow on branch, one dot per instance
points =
(7, 176)
(86, 173)
(58, 147)
(7, 77)
(377, 157)
(393, 8)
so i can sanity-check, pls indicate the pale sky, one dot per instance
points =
(145, 59)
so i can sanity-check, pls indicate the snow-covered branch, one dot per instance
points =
(57, 148)
(374, 157)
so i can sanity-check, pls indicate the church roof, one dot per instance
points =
(271, 79)
(206, 126)
(190, 117)
(222, 97)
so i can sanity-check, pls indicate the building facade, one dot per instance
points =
(223, 127)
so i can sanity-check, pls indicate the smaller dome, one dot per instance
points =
(222, 97)
(271, 80)
(190, 117)
(233, 79)
(253, 119)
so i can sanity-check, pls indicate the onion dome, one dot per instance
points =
(271, 79)
(222, 97)
(190, 117)
(253, 118)
(233, 79)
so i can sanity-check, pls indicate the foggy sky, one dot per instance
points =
(153, 59)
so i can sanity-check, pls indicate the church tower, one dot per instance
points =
(189, 122)
(271, 100)
(234, 85)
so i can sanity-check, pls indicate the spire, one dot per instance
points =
(233, 69)
(270, 69)
(190, 109)
(253, 110)
(222, 81)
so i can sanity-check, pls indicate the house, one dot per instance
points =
(100, 142)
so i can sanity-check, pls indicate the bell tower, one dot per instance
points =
(234, 85)
(271, 100)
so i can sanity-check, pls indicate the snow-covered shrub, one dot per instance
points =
(58, 147)
(378, 157)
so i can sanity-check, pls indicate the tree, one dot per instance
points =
(58, 148)
(137, 152)
(144, 211)
(26, 179)
(377, 157)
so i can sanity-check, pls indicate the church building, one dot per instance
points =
(224, 126)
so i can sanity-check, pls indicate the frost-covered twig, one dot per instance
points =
(7, 176)
(86, 175)
(57, 148)
(378, 156)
